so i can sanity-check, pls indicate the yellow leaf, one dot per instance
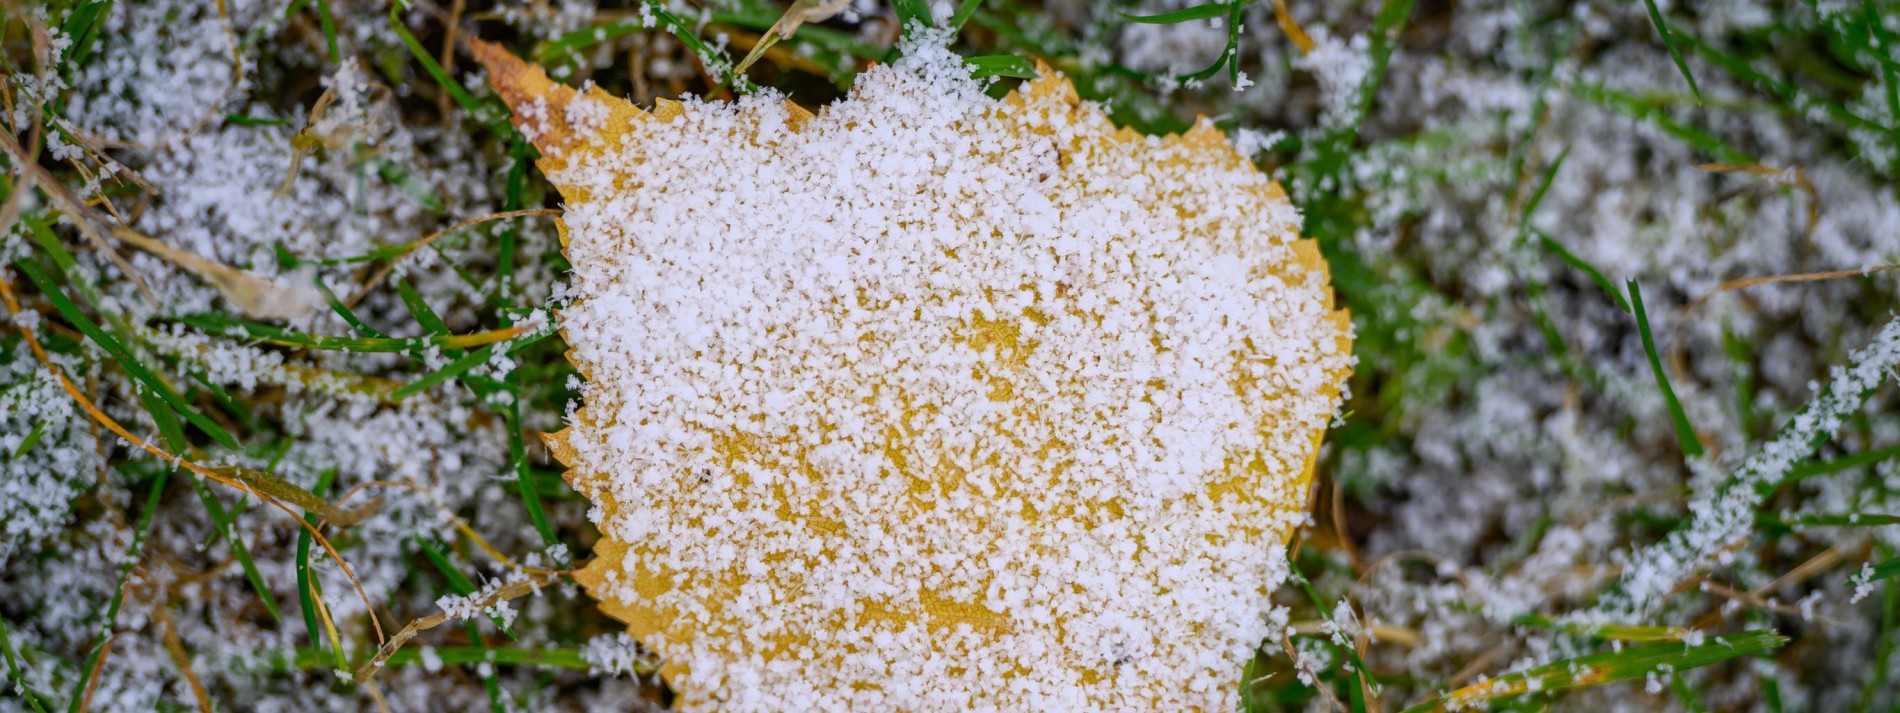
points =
(932, 401)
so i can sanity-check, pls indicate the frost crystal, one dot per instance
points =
(615, 654)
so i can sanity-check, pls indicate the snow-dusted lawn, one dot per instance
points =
(270, 259)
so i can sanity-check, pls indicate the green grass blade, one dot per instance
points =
(132, 554)
(1701, 140)
(495, 701)
(1607, 632)
(1881, 667)
(1595, 275)
(1879, 571)
(687, 33)
(1187, 14)
(306, 584)
(248, 120)
(43, 235)
(19, 676)
(1360, 671)
(468, 361)
(1685, 433)
(32, 439)
(124, 357)
(458, 582)
(411, 187)
(1781, 89)
(1883, 55)
(524, 476)
(456, 368)
(290, 261)
(419, 308)
(517, 449)
(328, 22)
(521, 152)
(83, 27)
(467, 101)
(167, 422)
(1829, 467)
(1684, 693)
(1854, 519)
(1543, 188)
(228, 531)
(295, 7)
(912, 11)
(1741, 359)
(227, 326)
(965, 11)
(564, 47)
(1597, 669)
(1002, 65)
(226, 401)
(451, 655)
(1669, 43)
(1770, 692)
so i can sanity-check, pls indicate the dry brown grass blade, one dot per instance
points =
(1478, 665)
(76, 208)
(259, 481)
(1676, 357)
(1292, 29)
(1293, 654)
(1385, 633)
(304, 143)
(1339, 525)
(1826, 560)
(798, 14)
(256, 297)
(297, 375)
(92, 675)
(390, 264)
(12, 303)
(450, 34)
(176, 647)
(120, 172)
(510, 591)
(1783, 176)
(1742, 283)
(212, 114)
(376, 695)
(742, 39)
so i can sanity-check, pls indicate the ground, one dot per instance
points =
(1618, 435)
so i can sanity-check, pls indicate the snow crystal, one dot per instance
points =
(1341, 66)
(431, 662)
(483, 602)
(1863, 582)
(615, 654)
